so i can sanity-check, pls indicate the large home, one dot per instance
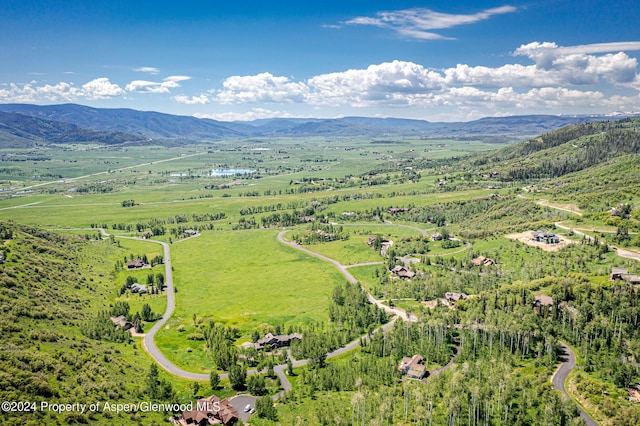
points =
(208, 411)
(372, 239)
(403, 272)
(452, 297)
(190, 233)
(394, 210)
(121, 322)
(481, 260)
(271, 341)
(545, 237)
(542, 300)
(623, 274)
(138, 288)
(412, 367)
(136, 264)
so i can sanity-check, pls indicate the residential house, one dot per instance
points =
(481, 260)
(394, 210)
(403, 272)
(147, 234)
(413, 367)
(452, 297)
(138, 288)
(136, 264)
(436, 237)
(208, 411)
(545, 237)
(271, 341)
(542, 300)
(618, 273)
(372, 240)
(121, 322)
(623, 274)
(190, 233)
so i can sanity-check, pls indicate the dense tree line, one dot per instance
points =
(220, 346)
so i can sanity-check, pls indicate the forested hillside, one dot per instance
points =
(51, 286)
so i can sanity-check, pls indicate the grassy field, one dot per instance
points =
(246, 280)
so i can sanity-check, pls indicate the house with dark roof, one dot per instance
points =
(413, 367)
(271, 341)
(403, 272)
(545, 237)
(136, 264)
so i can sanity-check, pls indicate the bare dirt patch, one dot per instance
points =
(568, 207)
(527, 238)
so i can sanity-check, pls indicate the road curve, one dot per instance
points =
(153, 350)
(620, 252)
(343, 269)
(560, 376)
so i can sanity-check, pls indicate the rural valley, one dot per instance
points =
(323, 275)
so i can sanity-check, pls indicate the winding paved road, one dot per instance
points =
(153, 350)
(560, 376)
(620, 252)
(343, 269)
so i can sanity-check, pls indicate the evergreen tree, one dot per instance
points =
(265, 408)
(237, 376)
(214, 380)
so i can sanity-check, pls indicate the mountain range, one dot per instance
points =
(25, 124)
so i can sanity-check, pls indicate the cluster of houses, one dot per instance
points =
(208, 411)
(624, 275)
(272, 341)
(413, 367)
(545, 237)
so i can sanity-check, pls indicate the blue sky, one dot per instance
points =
(433, 60)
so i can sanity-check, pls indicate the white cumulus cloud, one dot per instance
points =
(263, 87)
(192, 100)
(101, 88)
(392, 82)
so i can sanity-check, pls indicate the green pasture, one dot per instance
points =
(355, 250)
(244, 279)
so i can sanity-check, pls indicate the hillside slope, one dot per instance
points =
(51, 285)
(18, 130)
(166, 126)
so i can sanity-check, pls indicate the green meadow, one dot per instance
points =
(246, 280)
